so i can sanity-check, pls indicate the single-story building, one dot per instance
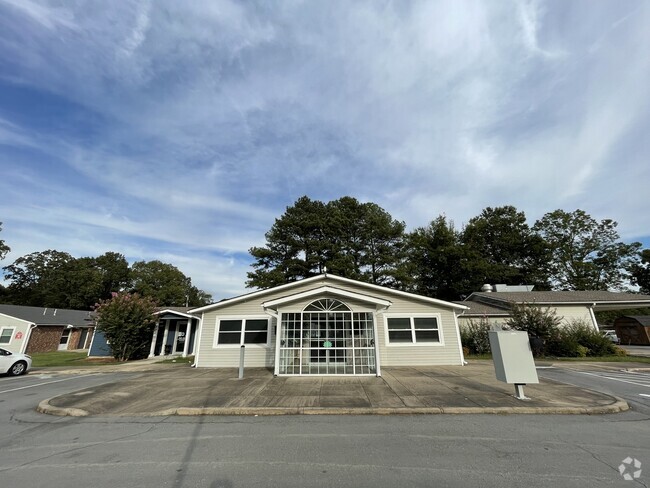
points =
(329, 325)
(37, 329)
(633, 330)
(494, 306)
(174, 334)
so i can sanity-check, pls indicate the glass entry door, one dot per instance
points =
(327, 338)
(330, 334)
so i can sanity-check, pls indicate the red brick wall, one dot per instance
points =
(44, 339)
(73, 342)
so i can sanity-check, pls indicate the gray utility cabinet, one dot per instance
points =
(513, 357)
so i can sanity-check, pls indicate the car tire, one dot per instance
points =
(18, 368)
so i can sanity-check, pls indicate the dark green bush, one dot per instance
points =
(579, 339)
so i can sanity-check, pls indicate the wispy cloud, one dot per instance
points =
(181, 130)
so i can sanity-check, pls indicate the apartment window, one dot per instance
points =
(6, 334)
(413, 330)
(243, 331)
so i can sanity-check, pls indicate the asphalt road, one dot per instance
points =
(303, 451)
(633, 387)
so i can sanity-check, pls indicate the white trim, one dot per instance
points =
(594, 322)
(11, 337)
(243, 318)
(329, 290)
(374, 324)
(411, 316)
(278, 334)
(92, 339)
(176, 312)
(460, 344)
(197, 341)
(188, 334)
(249, 296)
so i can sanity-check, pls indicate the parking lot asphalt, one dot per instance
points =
(168, 389)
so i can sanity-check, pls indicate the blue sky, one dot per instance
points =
(180, 130)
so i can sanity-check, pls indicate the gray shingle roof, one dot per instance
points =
(47, 316)
(559, 297)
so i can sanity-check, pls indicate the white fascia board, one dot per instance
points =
(176, 312)
(254, 294)
(330, 290)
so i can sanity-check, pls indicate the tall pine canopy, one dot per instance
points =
(348, 238)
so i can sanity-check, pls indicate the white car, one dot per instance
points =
(14, 364)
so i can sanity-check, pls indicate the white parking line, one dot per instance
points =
(602, 375)
(47, 383)
(644, 395)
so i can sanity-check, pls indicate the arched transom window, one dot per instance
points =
(327, 305)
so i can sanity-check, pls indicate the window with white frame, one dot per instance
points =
(243, 331)
(413, 330)
(6, 334)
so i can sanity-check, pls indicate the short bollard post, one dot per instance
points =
(241, 362)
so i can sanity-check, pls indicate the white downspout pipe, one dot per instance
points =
(593, 317)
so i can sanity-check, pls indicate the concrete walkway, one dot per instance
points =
(177, 390)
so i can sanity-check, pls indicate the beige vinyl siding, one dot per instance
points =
(492, 321)
(18, 325)
(257, 356)
(572, 312)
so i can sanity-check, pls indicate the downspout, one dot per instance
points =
(460, 344)
(23, 348)
(374, 320)
(197, 341)
(593, 317)
(278, 334)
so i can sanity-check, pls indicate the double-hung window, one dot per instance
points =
(243, 331)
(5, 335)
(413, 329)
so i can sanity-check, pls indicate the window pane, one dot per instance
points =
(229, 337)
(400, 336)
(426, 336)
(256, 324)
(5, 338)
(230, 326)
(255, 337)
(399, 323)
(425, 323)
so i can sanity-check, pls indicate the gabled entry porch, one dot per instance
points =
(333, 334)
(174, 334)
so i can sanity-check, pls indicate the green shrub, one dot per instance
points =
(474, 336)
(537, 321)
(579, 339)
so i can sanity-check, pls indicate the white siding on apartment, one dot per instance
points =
(262, 356)
(18, 325)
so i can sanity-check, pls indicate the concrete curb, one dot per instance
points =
(45, 407)
(619, 405)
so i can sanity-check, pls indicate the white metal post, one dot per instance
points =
(152, 349)
(186, 345)
(164, 341)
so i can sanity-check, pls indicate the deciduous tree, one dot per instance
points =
(641, 271)
(166, 284)
(586, 254)
(4, 249)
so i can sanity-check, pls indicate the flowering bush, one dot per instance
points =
(127, 321)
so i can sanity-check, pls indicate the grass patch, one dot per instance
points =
(179, 360)
(65, 358)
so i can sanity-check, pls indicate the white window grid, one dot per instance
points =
(242, 331)
(6, 338)
(303, 335)
(413, 329)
